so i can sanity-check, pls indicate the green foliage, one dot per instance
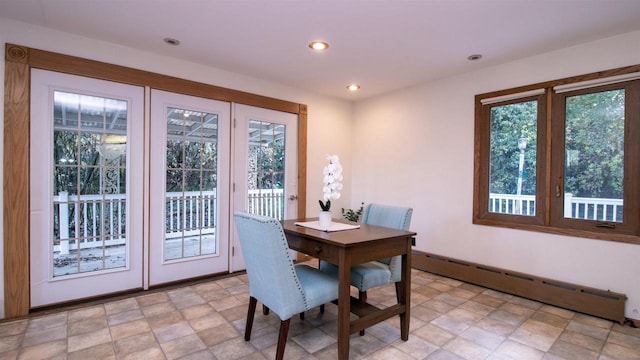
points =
(352, 215)
(594, 145)
(508, 124)
(77, 162)
(325, 206)
(267, 165)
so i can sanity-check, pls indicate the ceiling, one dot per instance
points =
(383, 45)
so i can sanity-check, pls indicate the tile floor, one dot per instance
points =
(205, 320)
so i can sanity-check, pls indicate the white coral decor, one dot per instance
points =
(332, 181)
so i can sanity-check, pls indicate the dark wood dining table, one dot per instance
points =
(355, 246)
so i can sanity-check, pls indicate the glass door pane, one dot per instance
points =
(191, 186)
(89, 176)
(266, 166)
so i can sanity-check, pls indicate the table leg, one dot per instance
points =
(344, 303)
(405, 294)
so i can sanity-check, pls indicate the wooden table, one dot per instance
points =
(350, 247)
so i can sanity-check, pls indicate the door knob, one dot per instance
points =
(293, 197)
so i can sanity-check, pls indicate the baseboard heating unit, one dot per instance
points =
(601, 303)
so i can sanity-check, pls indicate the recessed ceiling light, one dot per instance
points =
(319, 45)
(171, 41)
(353, 87)
(474, 57)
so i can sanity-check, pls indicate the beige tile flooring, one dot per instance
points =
(205, 320)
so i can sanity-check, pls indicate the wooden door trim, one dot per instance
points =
(19, 60)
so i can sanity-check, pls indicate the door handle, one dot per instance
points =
(293, 197)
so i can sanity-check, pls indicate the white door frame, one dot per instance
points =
(161, 270)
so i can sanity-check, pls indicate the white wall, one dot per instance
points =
(329, 120)
(415, 147)
(412, 147)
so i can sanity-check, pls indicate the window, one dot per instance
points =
(511, 159)
(561, 157)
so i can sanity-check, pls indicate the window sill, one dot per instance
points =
(630, 239)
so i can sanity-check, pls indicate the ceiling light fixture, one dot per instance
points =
(319, 45)
(474, 57)
(171, 41)
(353, 87)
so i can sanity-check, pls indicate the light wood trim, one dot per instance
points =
(630, 224)
(16, 182)
(567, 80)
(546, 224)
(482, 137)
(90, 68)
(18, 62)
(302, 162)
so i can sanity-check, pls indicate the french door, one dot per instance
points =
(121, 199)
(265, 173)
(86, 187)
(189, 187)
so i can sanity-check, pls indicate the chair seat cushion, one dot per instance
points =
(363, 276)
(318, 287)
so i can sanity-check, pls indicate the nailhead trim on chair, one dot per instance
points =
(292, 268)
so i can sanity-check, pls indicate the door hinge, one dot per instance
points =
(233, 251)
(234, 123)
(233, 187)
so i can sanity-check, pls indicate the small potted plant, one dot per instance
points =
(352, 215)
(332, 184)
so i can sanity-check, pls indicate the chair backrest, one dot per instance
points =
(388, 216)
(392, 217)
(272, 276)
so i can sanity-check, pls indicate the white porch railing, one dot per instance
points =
(85, 229)
(512, 204)
(267, 202)
(188, 214)
(592, 208)
(574, 207)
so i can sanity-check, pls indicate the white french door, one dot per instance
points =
(265, 174)
(85, 187)
(121, 199)
(189, 187)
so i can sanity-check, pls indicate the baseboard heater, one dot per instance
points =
(601, 303)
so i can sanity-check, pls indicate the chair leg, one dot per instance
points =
(265, 310)
(322, 308)
(363, 296)
(250, 313)
(363, 299)
(398, 291)
(282, 338)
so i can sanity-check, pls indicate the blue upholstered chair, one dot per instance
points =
(384, 271)
(274, 280)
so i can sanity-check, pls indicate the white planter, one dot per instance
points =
(324, 218)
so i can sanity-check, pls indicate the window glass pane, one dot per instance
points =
(512, 168)
(594, 153)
